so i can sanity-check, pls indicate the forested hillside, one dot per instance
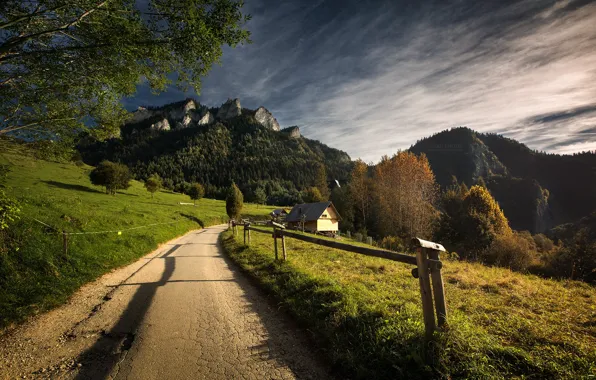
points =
(237, 149)
(537, 191)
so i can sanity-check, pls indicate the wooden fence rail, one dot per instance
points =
(427, 262)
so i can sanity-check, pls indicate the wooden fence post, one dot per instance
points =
(425, 292)
(438, 289)
(244, 234)
(275, 242)
(248, 228)
(283, 245)
(65, 244)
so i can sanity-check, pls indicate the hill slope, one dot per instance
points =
(34, 273)
(237, 145)
(537, 191)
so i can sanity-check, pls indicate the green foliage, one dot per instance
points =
(259, 196)
(54, 84)
(112, 176)
(470, 221)
(238, 150)
(365, 314)
(153, 184)
(234, 202)
(9, 210)
(196, 192)
(312, 195)
(34, 274)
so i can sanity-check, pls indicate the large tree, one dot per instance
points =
(65, 64)
(234, 202)
(112, 176)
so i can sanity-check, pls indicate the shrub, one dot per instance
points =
(511, 251)
(393, 243)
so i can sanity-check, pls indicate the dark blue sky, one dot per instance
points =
(372, 77)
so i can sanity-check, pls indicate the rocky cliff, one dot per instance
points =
(231, 108)
(293, 132)
(266, 119)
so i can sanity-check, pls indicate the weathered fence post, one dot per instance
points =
(425, 292)
(245, 234)
(248, 229)
(283, 245)
(438, 289)
(275, 242)
(348, 234)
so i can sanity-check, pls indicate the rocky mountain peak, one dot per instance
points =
(231, 108)
(266, 119)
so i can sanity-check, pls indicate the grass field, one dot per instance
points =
(366, 312)
(35, 275)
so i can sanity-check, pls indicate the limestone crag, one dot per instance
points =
(266, 119)
(141, 114)
(206, 119)
(185, 122)
(231, 108)
(293, 132)
(162, 125)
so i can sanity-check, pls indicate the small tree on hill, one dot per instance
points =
(234, 202)
(196, 192)
(153, 184)
(112, 176)
(260, 196)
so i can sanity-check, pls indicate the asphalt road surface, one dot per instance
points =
(182, 312)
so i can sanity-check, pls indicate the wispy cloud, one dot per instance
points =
(371, 78)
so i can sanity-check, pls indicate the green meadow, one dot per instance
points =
(366, 314)
(36, 275)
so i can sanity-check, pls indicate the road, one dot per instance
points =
(183, 312)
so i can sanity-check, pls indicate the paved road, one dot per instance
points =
(184, 313)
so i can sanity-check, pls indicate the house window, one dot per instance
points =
(324, 215)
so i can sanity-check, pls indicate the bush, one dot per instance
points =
(511, 251)
(393, 243)
(153, 184)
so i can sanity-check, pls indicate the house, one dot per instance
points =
(278, 214)
(317, 217)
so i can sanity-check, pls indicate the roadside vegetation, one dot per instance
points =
(35, 275)
(366, 314)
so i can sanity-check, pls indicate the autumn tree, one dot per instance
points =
(405, 192)
(66, 64)
(470, 221)
(153, 184)
(196, 192)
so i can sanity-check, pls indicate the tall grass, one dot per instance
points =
(366, 313)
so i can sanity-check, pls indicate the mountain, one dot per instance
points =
(187, 142)
(536, 190)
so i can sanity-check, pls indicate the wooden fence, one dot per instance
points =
(427, 261)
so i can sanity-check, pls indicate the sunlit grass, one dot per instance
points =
(34, 273)
(367, 313)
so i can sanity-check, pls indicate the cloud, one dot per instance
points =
(373, 77)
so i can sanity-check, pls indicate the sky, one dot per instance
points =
(373, 77)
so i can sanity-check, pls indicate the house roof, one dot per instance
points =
(279, 211)
(313, 211)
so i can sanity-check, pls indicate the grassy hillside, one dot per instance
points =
(366, 312)
(34, 273)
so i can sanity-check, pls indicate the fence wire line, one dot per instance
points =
(103, 232)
